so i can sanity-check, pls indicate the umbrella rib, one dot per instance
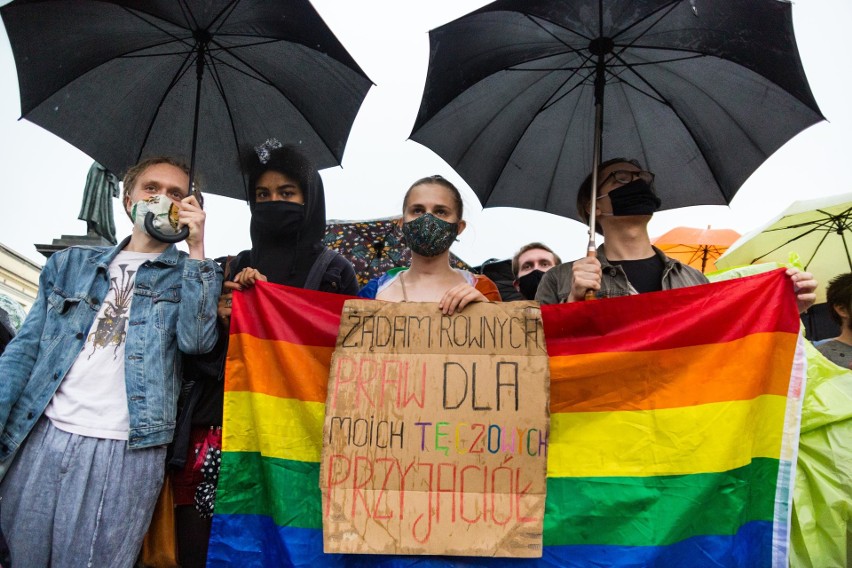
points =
(846, 248)
(561, 152)
(285, 96)
(188, 17)
(610, 66)
(537, 21)
(259, 77)
(147, 18)
(659, 98)
(217, 80)
(546, 105)
(744, 132)
(636, 126)
(816, 248)
(479, 134)
(570, 49)
(692, 83)
(551, 101)
(221, 18)
(182, 70)
(797, 237)
(662, 12)
(827, 221)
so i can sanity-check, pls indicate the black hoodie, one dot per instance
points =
(288, 258)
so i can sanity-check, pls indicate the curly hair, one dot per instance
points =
(839, 293)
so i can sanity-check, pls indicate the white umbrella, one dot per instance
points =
(818, 230)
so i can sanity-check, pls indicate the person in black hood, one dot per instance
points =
(287, 225)
(287, 205)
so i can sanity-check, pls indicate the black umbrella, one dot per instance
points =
(523, 97)
(122, 80)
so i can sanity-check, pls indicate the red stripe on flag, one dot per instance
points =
(674, 318)
(278, 311)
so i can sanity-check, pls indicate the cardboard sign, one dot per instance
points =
(436, 429)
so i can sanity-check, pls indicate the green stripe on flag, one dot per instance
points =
(286, 490)
(657, 511)
(633, 511)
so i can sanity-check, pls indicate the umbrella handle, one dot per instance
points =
(162, 237)
(590, 294)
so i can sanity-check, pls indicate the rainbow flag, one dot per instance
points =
(674, 424)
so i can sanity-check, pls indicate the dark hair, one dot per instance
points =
(287, 160)
(839, 293)
(134, 172)
(584, 194)
(532, 246)
(442, 181)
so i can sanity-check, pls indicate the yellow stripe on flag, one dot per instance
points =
(276, 427)
(701, 439)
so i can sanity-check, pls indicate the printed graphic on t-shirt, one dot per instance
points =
(111, 327)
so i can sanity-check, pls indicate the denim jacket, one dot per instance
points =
(555, 286)
(173, 311)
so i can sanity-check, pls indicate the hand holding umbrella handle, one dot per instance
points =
(162, 237)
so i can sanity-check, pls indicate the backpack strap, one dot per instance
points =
(319, 268)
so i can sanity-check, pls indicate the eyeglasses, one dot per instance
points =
(626, 176)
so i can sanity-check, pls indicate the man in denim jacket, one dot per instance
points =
(89, 387)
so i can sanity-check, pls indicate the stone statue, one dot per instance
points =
(101, 187)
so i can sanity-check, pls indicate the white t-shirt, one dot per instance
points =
(92, 399)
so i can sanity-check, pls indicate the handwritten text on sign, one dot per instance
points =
(435, 435)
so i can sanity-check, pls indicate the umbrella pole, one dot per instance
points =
(201, 44)
(201, 39)
(591, 250)
(596, 160)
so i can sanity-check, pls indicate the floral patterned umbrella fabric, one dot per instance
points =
(374, 246)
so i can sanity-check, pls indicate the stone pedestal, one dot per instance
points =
(66, 241)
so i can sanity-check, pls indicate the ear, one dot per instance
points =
(127, 203)
(841, 310)
(516, 285)
(462, 225)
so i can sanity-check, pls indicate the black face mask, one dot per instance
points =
(528, 283)
(276, 219)
(634, 198)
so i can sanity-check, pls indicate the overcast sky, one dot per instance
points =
(43, 177)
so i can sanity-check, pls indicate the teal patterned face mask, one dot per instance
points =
(429, 236)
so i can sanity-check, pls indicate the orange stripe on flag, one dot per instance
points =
(277, 368)
(672, 378)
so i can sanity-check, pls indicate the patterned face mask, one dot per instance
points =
(165, 214)
(429, 236)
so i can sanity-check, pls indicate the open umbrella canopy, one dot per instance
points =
(374, 246)
(700, 91)
(819, 231)
(123, 80)
(696, 247)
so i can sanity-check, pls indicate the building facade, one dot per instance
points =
(18, 277)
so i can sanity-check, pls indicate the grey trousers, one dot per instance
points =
(75, 501)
